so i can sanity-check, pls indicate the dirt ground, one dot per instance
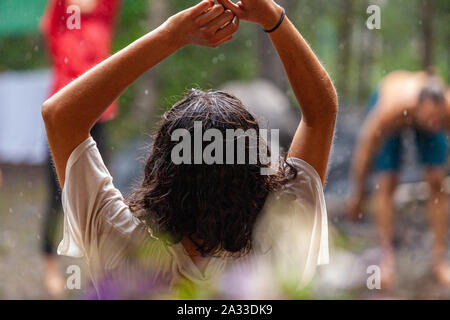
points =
(354, 248)
(22, 203)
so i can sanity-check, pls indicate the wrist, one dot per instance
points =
(272, 17)
(175, 39)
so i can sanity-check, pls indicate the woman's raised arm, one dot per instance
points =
(70, 114)
(309, 80)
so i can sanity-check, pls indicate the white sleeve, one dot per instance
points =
(293, 230)
(97, 222)
(308, 188)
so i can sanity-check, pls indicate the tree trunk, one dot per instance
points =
(368, 51)
(147, 100)
(365, 66)
(270, 66)
(427, 23)
(344, 29)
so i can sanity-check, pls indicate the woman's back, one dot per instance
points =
(125, 256)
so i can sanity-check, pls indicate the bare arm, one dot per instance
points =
(315, 94)
(70, 114)
(375, 129)
(309, 80)
(368, 141)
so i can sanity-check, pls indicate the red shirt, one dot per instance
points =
(74, 51)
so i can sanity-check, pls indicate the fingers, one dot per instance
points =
(202, 7)
(229, 30)
(230, 5)
(221, 21)
(225, 34)
(210, 15)
(215, 24)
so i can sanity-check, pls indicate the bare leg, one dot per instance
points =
(437, 215)
(384, 207)
(52, 279)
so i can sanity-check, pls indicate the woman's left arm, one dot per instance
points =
(70, 114)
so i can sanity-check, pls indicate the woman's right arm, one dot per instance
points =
(310, 82)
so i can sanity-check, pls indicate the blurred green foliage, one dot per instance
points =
(357, 60)
(19, 17)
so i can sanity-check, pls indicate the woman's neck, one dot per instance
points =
(193, 253)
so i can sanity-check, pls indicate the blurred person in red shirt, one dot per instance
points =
(79, 35)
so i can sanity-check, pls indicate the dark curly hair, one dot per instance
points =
(214, 205)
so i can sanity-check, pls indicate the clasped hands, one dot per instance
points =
(212, 24)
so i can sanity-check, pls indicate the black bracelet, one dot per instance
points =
(283, 15)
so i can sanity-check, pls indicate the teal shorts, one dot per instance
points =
(431, 147)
